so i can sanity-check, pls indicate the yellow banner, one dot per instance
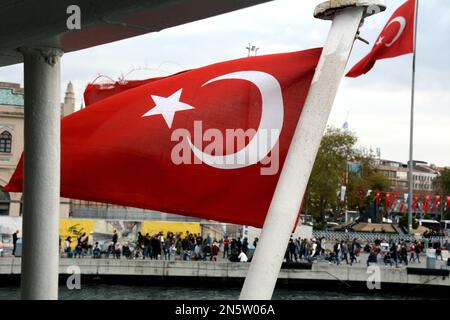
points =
(154, 227)
(74, 228)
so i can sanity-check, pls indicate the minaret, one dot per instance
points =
(69, 101)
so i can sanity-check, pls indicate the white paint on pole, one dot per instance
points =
(266, 263)
(40, 255)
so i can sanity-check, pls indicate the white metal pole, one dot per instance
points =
(411, 126)
(40, 256)
(264, 269)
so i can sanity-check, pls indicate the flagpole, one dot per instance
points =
(411, 130)
(266, 263)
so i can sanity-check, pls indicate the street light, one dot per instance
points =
(251, 48)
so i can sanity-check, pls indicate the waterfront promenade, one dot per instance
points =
(222, 270)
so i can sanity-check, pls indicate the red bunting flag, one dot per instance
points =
(360, 194)
(436, 203)
(395, 196)
(425, 204)
(402, 205)
(396, 39)
(447, 205)
(394, 199)
(377, 199)
(388, 200)
(208, 142)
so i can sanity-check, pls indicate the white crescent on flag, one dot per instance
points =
(402, 21)
(269, 129)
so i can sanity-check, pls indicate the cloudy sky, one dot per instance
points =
(376, 105)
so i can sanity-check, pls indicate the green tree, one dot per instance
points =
(442, 186)
(368, 178)
(336, 149)
(404, 223)
(442, 183)
(330, 171)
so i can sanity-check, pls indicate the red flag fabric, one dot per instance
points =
(396, 39)
(394, 199)
(377, 199)
(436, 202)
(95, 92)
(425, 204)
(158, 146)
(402, 205)
(447, 205)
(388, 200)
(395, 196)
(361, 194)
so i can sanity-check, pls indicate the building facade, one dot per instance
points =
(11, 147)
(423, 175)
(11, 142)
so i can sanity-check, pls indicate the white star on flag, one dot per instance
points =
(168, 106)
(380, 40)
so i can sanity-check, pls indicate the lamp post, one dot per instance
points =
(251, 49)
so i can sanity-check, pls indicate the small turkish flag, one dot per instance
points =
(436, 202)
(377, 199)
(396, 39)
(388, 200)
(426, 203)
(208, 143)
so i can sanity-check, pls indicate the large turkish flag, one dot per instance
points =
(396, 39)
(142, 147)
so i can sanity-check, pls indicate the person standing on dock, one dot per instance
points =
(352, 251)
(344, 250)
(214, 251)
(403, 254)
(167, 245)
(226, 247)
(15, 238)
(412, 252)
(146, 241)
(292, 256)
(337, 252)
(114, 238)
(418, 250)
(394, 253)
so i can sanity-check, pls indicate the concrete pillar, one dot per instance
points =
(14, 208)
(14, 205)
(40, 254)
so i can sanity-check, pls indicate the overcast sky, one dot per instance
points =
(377, 104)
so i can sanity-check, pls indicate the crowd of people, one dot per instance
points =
(433, 232)
(401, 252)
(318, 250)
(159, 247)
(194, 247)
(387, 252)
